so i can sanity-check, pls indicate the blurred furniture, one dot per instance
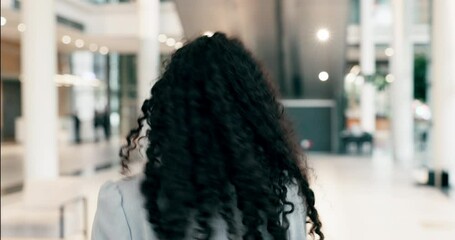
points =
(357, 137)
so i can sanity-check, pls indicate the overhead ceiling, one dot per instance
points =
(121, 33)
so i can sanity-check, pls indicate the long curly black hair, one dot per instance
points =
(218, 140)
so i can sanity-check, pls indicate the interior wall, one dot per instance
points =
(10, 58)
(10, 88)
(316, 56)
(257, 28)
(291, 49)
(253, 21)
(65, 103)
(256, 23)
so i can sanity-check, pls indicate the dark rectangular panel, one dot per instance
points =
(11, 107)
(313, 124)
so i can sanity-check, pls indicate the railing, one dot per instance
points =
(109, 1)
(62, 209)
(68, 219)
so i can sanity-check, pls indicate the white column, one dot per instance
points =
(443, 87)
(402, 88)
(149, 52)
(84, 95)
(7, 4)
(39, 93)
(368, 107)
(367, 66)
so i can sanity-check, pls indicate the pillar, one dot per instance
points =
(443, 88)
(84, 100)
(368, 106)
(7, 4)
(149, 52)
(401, 89)
(367, 66)
(39, 93)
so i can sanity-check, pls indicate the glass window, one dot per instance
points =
(354, 12)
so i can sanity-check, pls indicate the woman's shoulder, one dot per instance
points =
(111, 212)
(127, 189)
(130, 183)
(121, 204)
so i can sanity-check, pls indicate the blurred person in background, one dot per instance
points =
(77, 128)
(106, 124)
(222, 160)
(101, 123)
(97, 123)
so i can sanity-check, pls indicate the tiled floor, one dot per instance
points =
(359, 198)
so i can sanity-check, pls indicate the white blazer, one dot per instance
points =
(121, 214)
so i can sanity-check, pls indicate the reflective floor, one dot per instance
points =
(74, 160)
(359, 198)
(370, 198)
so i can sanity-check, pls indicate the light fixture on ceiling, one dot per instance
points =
(208, 33)
(389, 78)
(21, 27)
(93, 47)
(66, 39)
(3, 21)
(170, 42)
(104, 50)
(323, 76)
(178, 45)
(79, 43)
(389, 52)
(162, 38)
(323, 34)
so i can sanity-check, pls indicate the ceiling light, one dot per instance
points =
(323, 34)
(104, 50)
(389, 78)
(79, 43)
(178, 45)
(66, 39)
(21, 27)
(323, 76)
(389, 52)
(162, 38)
(3, 21)
(170, 42)
(93, 47)
(208, 33)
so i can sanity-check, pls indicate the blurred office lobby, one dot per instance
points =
(368, 84)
